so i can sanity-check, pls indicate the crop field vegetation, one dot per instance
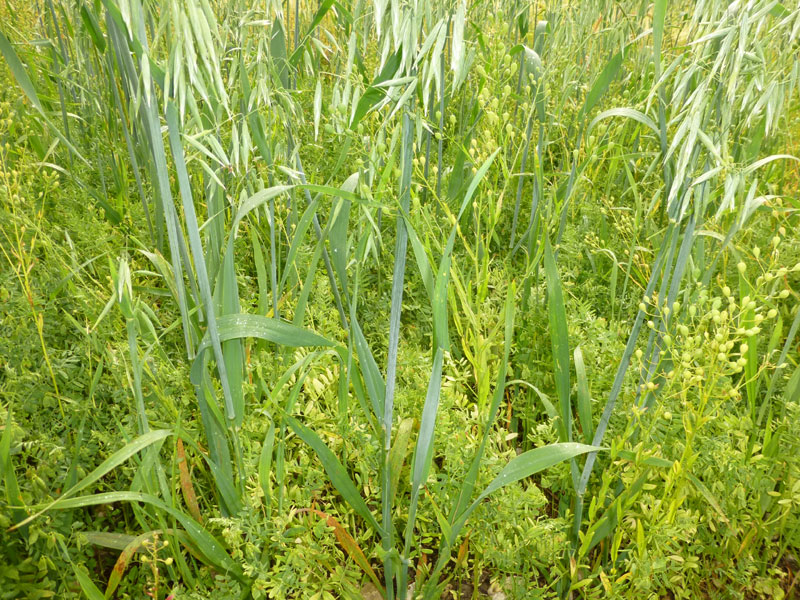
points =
(399, 299)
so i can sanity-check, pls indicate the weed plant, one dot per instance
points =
(398, 299)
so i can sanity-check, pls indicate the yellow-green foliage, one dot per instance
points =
(442, 299)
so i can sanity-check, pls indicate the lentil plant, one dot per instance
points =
(400, 299)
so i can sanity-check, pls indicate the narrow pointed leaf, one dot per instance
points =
(108, 465)
(205, 543)
(559, 343)
(349, 545)
(336, 472)
(584, 398)
(522, 466)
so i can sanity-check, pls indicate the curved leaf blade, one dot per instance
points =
(336, 472)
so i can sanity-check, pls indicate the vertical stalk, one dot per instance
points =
(398, 278)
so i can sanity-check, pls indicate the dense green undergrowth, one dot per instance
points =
(367, 299)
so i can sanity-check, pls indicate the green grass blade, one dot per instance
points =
(93, 29)
(628, 113)
(298, 239)
(212, 549)
(232, 397)
(529, 463)
(261, 274)
(265, 467)
(522, 466)
(323, 9)
(337, 234)
(398, 281)
(21, 76)
(375, 93)
(305, 292)
(439, 300)
(709, 496)
(373, 380)
(7, 474)
(227, 294)
(108, 465)
(584, 398)
(397, 456)
(336, 472)
(423, 263)
(423, 454)
(468, 485)
(602, 83)
(659, 18)
(19, 72)
(245, 325)
(619, 377)
(787, 348)
(88, 586)
(559, 341)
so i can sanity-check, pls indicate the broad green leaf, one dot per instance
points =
(337, 235)
(277, 48)
(423, 455)
(227, 299)
(298, 240)
(765, 161)
(261, 274)
(533, 461)
(396, 305)
(19, 72)
(108, 539)
(457, 44)
(659, 17)
(779, 10)
(423, 263)
(533, 62)
(245, 325)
